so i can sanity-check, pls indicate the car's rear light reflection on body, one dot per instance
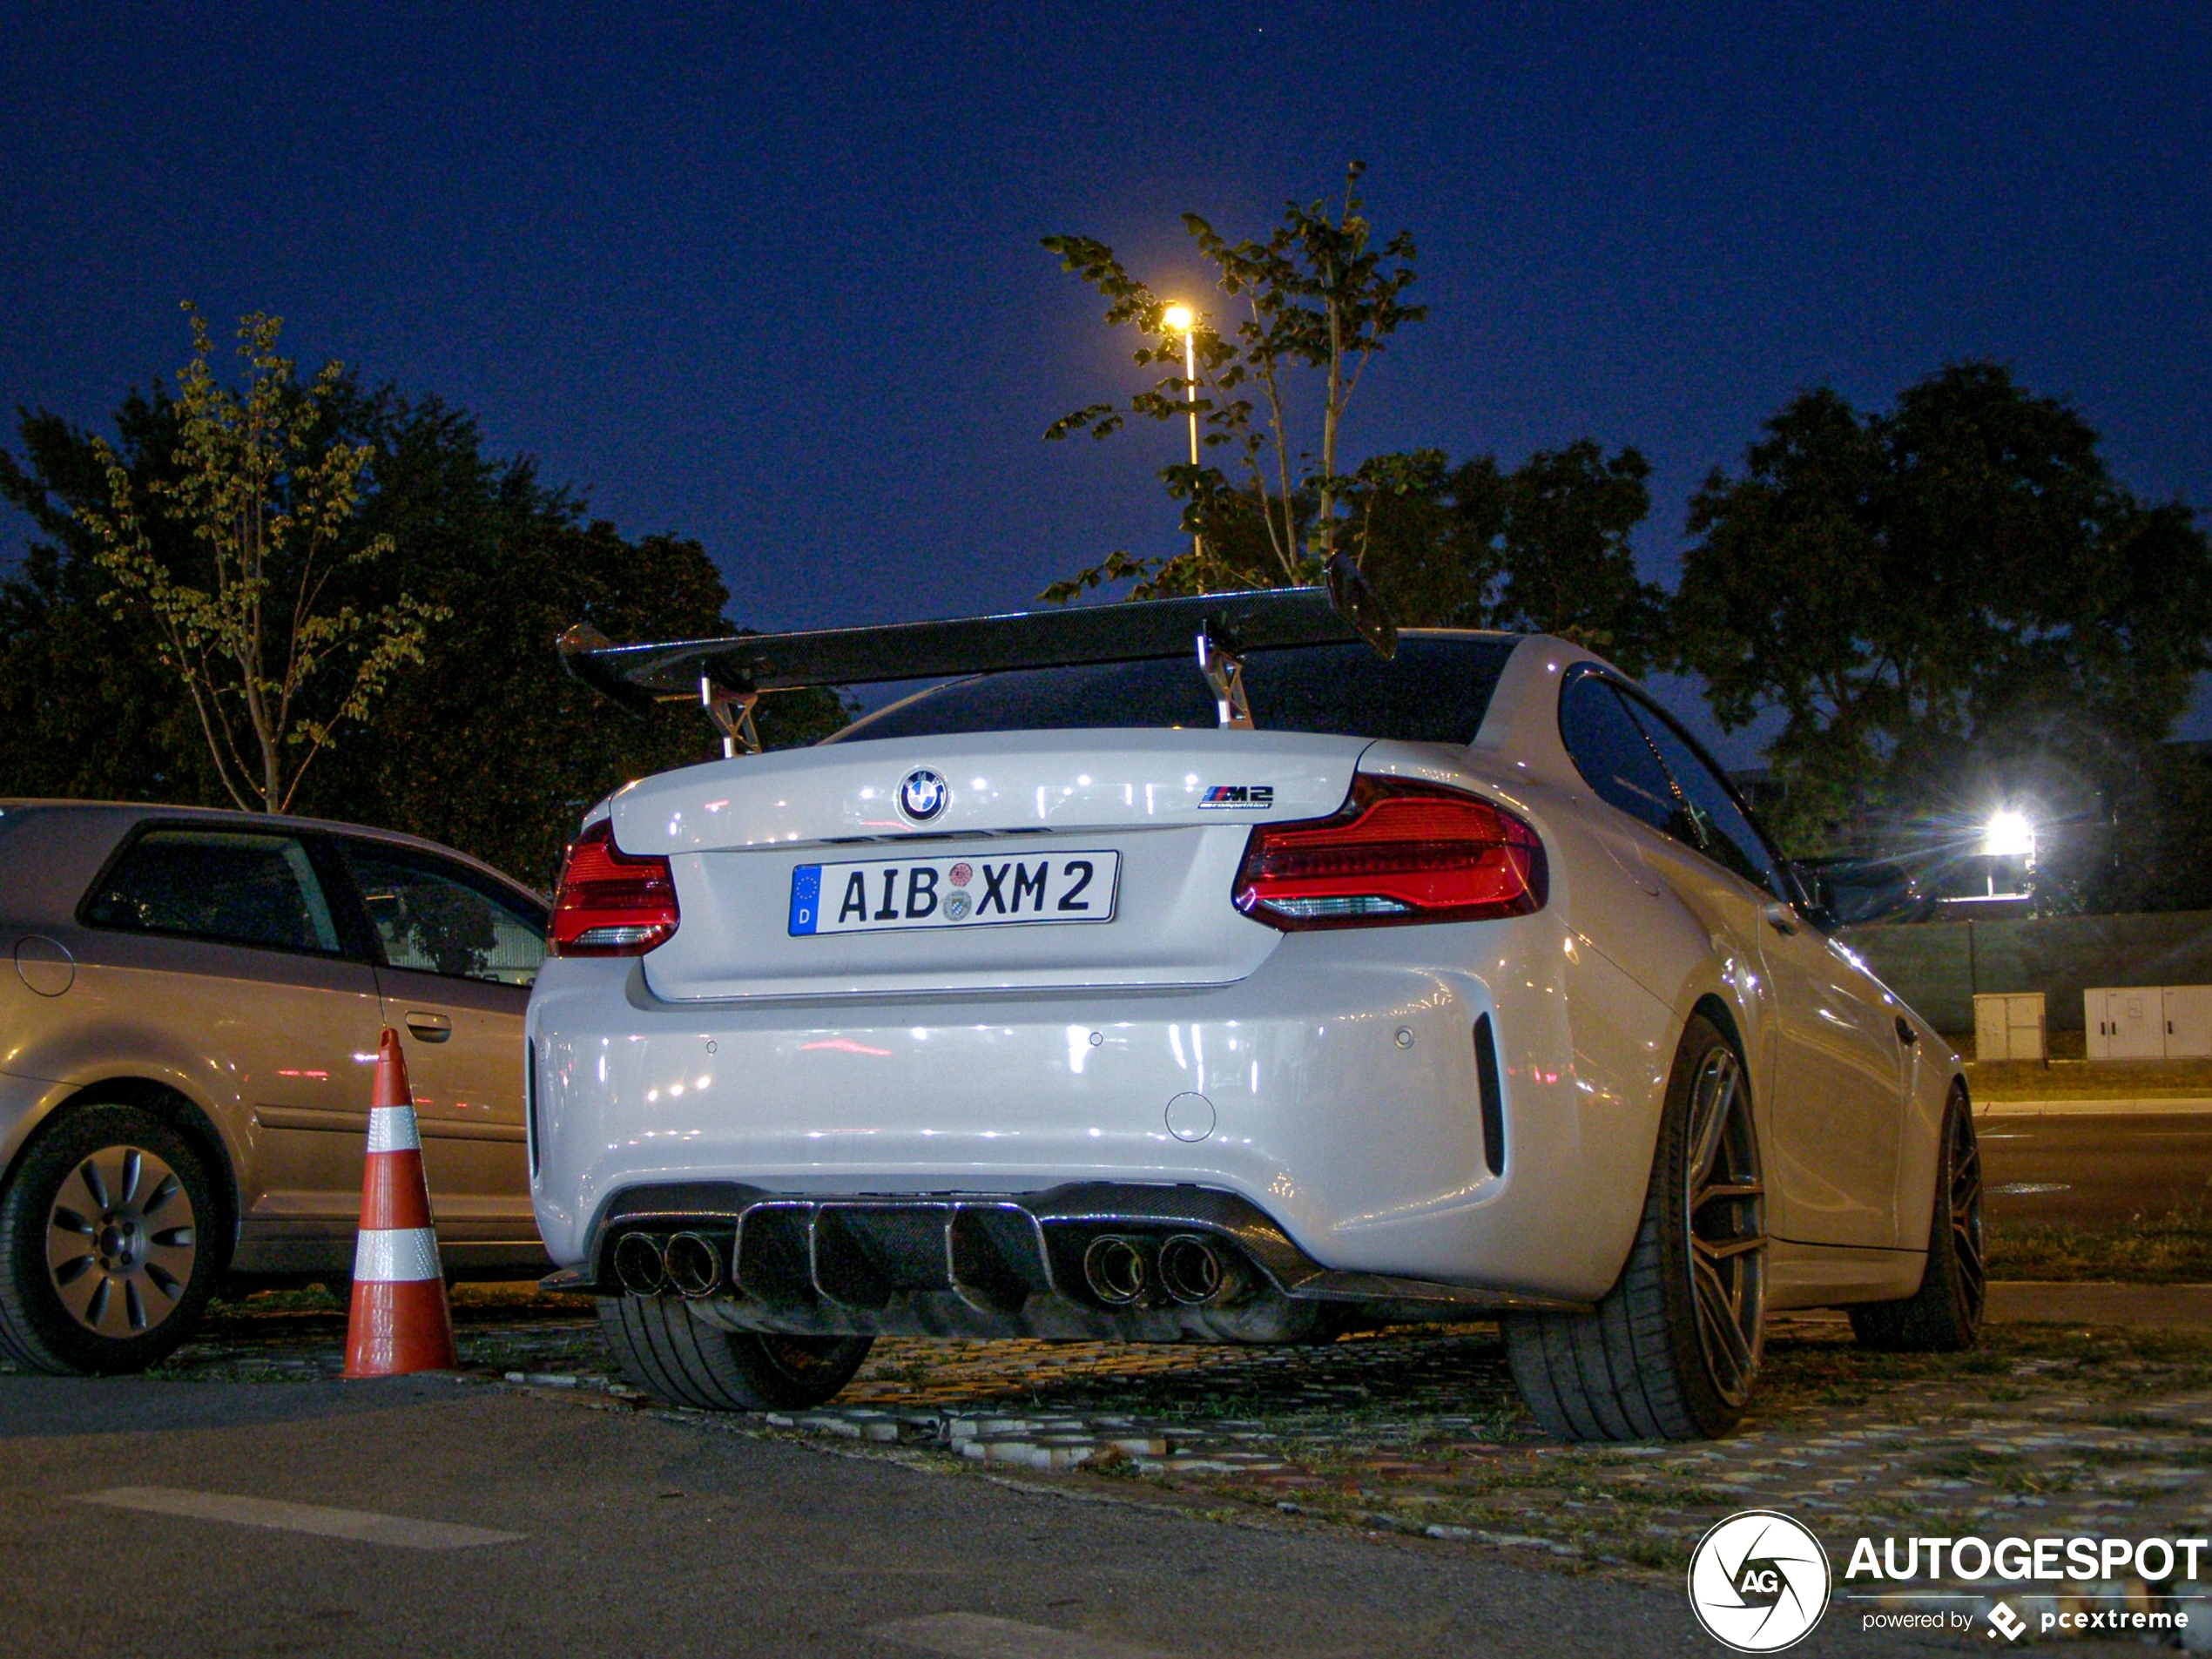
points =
(1398, 852)
(612, 903)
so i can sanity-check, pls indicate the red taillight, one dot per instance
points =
(1398, 852)
(612, 903)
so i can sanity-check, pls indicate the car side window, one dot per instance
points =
(437, 917)
(1613, 755)
(1724, 832)
(241, 888)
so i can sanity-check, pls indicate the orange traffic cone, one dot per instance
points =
(399, 1321)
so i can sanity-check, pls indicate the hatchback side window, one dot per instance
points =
(1614, 757)
(239, 886)
(1726, 833)
(437, 917)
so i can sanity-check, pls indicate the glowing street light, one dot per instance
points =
(1181, 319)
(2008, 834)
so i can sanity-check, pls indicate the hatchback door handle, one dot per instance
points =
(430, 1028)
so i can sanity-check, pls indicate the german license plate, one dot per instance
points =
(879, 895)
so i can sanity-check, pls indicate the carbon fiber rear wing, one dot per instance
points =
(729, 675)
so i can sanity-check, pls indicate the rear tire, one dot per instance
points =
(111, 1243)
(686, 1361)
(1944, 1316)
(1672, 1351)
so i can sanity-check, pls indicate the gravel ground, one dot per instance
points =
(2045, 1429)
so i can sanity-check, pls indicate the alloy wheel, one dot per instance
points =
(1964, 1161)
(121, 1242)
(1725, 1215)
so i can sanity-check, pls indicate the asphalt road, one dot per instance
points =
(636, 1534)
(2095, 1169)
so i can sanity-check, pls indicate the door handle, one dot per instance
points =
(429, 1027)
(1781, 918)
(1905, 1034)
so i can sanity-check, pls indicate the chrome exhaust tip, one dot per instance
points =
(694, 1265)
(1193, 1271)
(1115, 1270)
(641, 1264)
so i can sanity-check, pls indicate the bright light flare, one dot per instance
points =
(1180, 318)
(2008, 834)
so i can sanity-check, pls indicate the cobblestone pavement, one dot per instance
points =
(2046, 1429)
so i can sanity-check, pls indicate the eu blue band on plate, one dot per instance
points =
(805, 898)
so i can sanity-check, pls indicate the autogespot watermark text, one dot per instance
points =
(1759, 1583)
(1990, 1567)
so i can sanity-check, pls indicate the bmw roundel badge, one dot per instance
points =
(923, 795)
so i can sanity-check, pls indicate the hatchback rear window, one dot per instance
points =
(238, 887)
(1435, 689)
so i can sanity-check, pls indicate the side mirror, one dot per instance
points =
(1853, 893)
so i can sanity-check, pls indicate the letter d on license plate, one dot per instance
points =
(963, 891)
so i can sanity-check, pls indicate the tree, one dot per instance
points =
(487, 744)
(1321, 294)
(272, 660)
(1948, 604)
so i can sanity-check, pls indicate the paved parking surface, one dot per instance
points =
(448, 1519)
(1398, 1442)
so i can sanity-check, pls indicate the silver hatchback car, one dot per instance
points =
(188, 1033)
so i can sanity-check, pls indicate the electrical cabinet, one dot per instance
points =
(2009, 1026)
(2147, 1022)
(2188, 1021)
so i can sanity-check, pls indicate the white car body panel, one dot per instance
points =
(1338, 1065)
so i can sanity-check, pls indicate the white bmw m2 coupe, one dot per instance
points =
(1334, 978)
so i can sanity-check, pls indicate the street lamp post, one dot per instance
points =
(1185, 321)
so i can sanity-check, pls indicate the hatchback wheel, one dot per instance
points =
(1672, 1351)
(109, 1244)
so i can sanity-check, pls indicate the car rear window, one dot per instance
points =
(1435, 689)
(236, 886)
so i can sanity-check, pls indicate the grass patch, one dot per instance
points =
(2175, 1248)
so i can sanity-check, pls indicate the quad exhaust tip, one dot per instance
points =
(641, 1264)
(1115, 1270)
(694, 1263)
(1194, 1272)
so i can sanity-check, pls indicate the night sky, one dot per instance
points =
(770, 277)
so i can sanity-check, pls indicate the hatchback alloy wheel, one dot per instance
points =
(121, 1242)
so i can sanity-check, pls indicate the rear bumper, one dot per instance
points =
(1334, 1089)
(1001, 1264)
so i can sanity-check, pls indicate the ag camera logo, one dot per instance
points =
(923, 795)
(1758, 1581)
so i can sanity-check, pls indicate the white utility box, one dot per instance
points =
(2009, 1027)
(2128, 1022)
(2188, 1021)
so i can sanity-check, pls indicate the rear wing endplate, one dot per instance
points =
(728, 675)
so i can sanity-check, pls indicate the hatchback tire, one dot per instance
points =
(1944, 1316)
(111, 1238)
(1672, 1351)
(684, 1361)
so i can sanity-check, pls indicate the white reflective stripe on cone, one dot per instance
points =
(396, 1255)
(391, 1129)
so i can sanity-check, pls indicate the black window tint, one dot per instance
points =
(239, 886)
(1435, 689)
(1610, 750)
(1727, 836)
(437, 917)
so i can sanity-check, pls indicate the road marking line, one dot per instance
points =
(361, 1525)
(2188, 1107)
(978, 1636)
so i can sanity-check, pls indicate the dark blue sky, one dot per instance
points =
(771, 277)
